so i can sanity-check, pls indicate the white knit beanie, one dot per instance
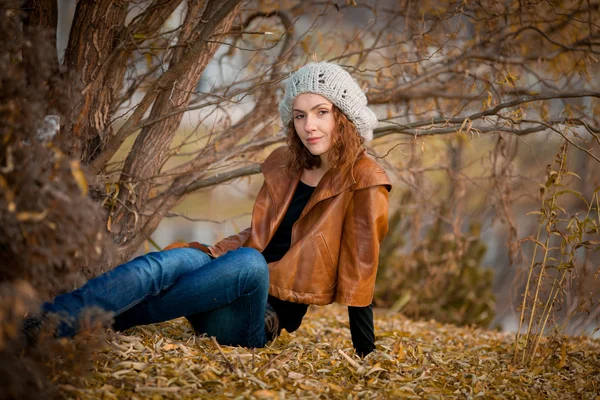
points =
(336, 85)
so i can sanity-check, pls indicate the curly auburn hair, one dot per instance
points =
(346, 142)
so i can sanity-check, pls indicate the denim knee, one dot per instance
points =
(255, 267)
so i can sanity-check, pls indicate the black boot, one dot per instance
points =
(32, 326)
(272, 329)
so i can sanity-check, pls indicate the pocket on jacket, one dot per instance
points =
(326, 257)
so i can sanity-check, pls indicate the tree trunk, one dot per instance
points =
(156, 139)
(96, 26)
(43, 14)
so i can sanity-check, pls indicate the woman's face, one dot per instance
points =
(314, 122)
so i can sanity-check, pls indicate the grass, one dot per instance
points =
(559, 236)
(414, 359)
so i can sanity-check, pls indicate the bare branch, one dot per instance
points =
(218, 179)
(164, 82)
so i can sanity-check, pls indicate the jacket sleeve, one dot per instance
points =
(195, 245)
(232, 242)
(362, 329)
(365, 225)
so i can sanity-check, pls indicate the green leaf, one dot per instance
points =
(535, 213)
(572, 173)
(573, 192)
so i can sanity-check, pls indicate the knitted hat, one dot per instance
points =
(336, 85)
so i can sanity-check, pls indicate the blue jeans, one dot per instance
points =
(225, 297)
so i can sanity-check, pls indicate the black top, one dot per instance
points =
(281, 241)
(290, 314)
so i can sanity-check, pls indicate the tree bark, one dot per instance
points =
(96, 26)
(166, 80)
(101, 64)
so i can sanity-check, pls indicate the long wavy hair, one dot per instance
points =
(346, 142)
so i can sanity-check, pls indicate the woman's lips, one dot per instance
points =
(312, 140)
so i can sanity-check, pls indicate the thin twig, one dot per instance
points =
(268, 363)
(153, 243)
(223, 354)
(242, 364)
(526, 293)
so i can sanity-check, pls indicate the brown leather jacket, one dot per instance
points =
(335, 242)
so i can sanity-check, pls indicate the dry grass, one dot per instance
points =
(413, 360)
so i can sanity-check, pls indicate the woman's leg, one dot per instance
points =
(225, 298)
(126, 285)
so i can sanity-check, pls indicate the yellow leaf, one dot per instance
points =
(563, 355)
(32, 216)
(336, 388)
(488, 102)
(463, 124)
(401, 352)
(138, 366)
(79, 177)
(511, 79)
(376, 368)
(8, 193)
(544, 112)
(209, 376)
(265, 394)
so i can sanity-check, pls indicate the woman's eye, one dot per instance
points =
(299, 116)
(323, 112)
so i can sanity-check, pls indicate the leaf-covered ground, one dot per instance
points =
(413, 360)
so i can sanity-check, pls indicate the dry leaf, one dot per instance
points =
(79, 177)
(265, 394)
(295, 375)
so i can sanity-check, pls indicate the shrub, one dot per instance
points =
(441, 278)
(51, 236)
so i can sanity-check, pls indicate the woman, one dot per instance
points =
(316, 227)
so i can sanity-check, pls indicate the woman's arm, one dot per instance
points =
(229, 243)
(365, 225)
(232, 242)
